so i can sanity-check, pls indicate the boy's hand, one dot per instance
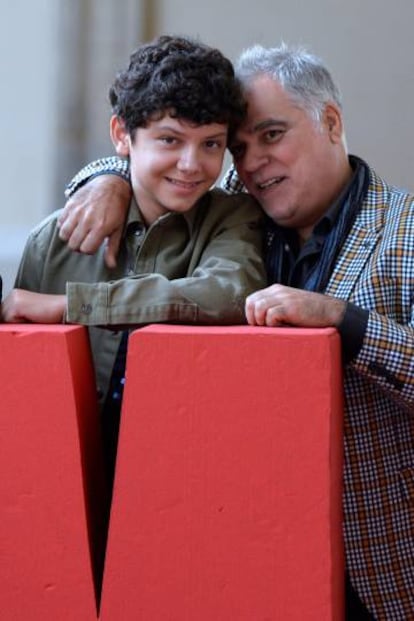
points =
(22, 306)
(96, 213)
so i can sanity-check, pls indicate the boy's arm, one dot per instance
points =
(22, 306)
(99, 197)
(225, 267)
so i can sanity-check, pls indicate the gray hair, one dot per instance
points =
(304, 76)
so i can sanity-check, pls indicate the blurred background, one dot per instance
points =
(59, 57)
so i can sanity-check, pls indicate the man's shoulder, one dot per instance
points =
(381, 191)
(386, 206)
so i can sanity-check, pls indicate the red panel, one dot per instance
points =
(227, 503)
(48, 442)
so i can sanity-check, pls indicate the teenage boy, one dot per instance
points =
(188, 254)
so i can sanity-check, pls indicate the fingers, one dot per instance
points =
(82, 229)
(68, 220)
(112, 247)
(264, 307)
(255, 311)
(275, 316)
(96, 212)
(260, 314)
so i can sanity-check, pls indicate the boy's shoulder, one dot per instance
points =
(229, 209)
(242, 201)
(47, 226)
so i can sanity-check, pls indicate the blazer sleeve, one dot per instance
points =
(387, 358)
(386, 290)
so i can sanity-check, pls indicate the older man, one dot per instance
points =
(339, 252)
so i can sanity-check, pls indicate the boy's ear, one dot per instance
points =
(119, 136)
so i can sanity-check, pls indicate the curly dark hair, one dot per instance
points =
(183, 77)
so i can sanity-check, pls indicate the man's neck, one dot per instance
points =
(344, 178)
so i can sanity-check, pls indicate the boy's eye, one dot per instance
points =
(213, 144)
(168, 139)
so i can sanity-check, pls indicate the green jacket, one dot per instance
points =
(196, 267)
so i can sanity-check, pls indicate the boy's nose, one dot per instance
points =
(189, 160)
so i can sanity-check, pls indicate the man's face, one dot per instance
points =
(290, 163)
(173, 163)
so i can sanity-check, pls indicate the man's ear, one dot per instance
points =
(119, 136)
(332, 120)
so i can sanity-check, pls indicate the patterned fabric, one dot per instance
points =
(109, 165)
(231, 182)
(375, 271)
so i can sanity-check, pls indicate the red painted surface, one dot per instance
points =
(50, 474)
(227, 493)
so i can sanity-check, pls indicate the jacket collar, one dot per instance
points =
(135, 219)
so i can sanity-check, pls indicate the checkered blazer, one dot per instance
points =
(375, 270)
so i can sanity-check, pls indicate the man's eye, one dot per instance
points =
(273, 134)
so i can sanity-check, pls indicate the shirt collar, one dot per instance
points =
(327, 221)
(135, 220)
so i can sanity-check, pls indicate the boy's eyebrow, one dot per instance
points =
(219, 135)
(174, 130)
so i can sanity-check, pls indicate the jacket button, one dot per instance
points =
(86, 308)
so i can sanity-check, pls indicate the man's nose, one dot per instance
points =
(253, 158)
(189, 160)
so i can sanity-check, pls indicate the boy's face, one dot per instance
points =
(172, 162)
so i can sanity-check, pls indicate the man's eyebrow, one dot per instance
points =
(269, 123)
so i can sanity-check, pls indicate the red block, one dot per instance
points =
(51, 483)
(227, 501)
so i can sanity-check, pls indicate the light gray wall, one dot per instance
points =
(27, 121)
(59, 57)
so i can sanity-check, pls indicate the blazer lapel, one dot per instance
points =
(361, 242)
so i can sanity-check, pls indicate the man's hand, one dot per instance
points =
(96, 213)
(278, 305)
(22, 306)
